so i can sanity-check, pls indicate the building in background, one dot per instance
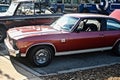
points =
(5, 1)
(91, 6)
(73, 6)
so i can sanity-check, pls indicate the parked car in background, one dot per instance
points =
(23, 13)
(115, 14)
(70, 34)
(3, 7)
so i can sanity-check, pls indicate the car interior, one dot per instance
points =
(89, 25)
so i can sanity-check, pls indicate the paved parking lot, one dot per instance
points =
(64, 64)
(10, 70)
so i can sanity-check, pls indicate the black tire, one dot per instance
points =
(2, 34)
(41, 56)
(117, 48)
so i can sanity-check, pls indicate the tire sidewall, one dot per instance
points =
(34, 51)
(117, 48)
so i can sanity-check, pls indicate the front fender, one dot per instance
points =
(41, 44)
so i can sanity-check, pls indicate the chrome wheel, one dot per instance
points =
(42, 56)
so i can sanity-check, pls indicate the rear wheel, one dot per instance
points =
(41, 56)
(117, 48)
(2, 34)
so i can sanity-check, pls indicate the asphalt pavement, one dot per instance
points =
(59, 65)
(9, 70)
(71, 63)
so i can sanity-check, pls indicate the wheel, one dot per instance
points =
(41, 56)
(117, 48)
(2, 34)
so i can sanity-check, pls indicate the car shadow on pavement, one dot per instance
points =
(23, 71)
(71, 63)
(9, 68)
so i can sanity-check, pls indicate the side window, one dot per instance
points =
(89, 25)
(31, 8)
(41, 9)
(25, 9)
(112, 25)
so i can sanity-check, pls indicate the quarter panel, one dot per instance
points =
(111, 37)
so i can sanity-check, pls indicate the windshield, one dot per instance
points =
(65, 23)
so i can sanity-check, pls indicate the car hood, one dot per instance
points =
(115, 14)
(30, 31)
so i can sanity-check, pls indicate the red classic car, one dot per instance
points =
(70, 34)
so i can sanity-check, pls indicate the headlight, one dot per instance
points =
(12, 42)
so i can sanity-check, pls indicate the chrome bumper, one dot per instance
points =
(10, 49)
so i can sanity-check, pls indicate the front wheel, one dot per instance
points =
(41, 56)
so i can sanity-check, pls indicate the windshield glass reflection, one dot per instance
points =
(65, 23)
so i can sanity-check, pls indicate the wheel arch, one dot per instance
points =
(41, 44)
(115, 43)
